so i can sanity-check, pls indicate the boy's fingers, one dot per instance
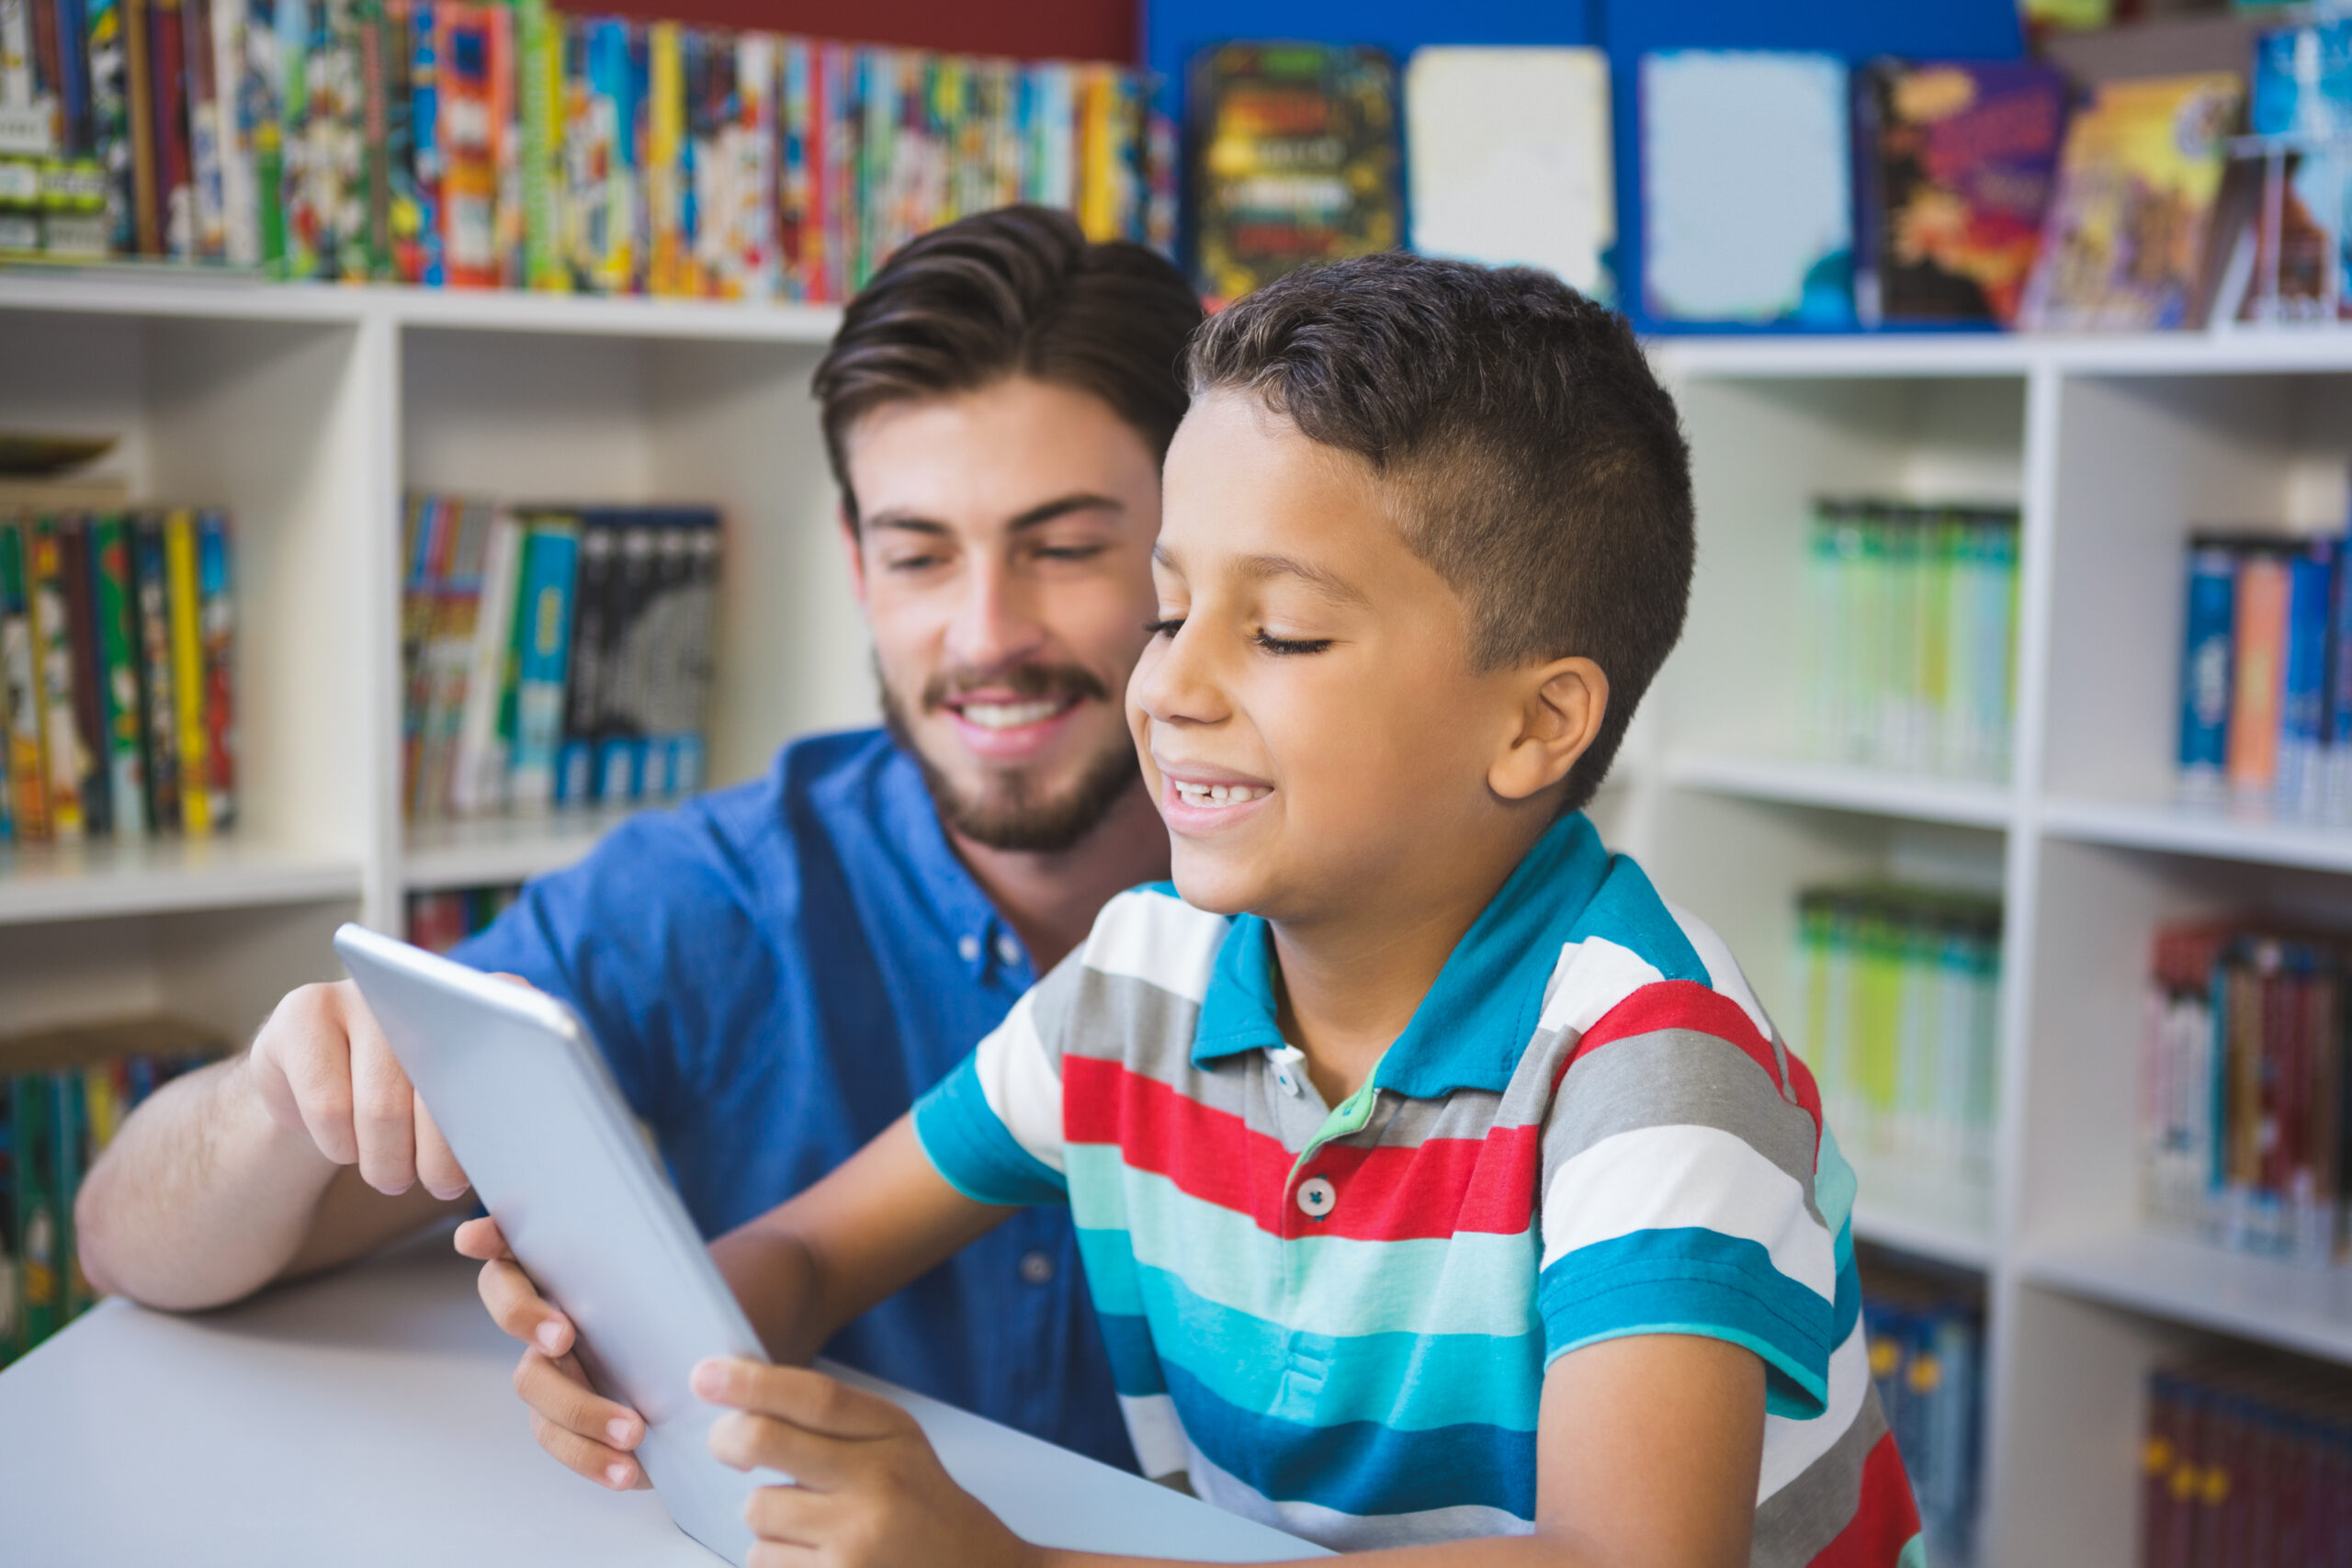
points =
(779, 1555)
(807, 1399)
(481, 1240)
(788, 1516)
(604, 1466)
(555, 1390)
(436, 1165)
(517, 1306)
(743, 1441)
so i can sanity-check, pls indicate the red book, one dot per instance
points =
(175, 187)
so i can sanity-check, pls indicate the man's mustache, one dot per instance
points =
(1022, 681)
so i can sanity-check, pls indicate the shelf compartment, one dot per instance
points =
(488, 851)
(2214, 835)
(1944, 1221)
(2187, 1282)
(40, 883)
(1925, 797)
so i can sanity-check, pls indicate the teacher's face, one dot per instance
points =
(1004, 556)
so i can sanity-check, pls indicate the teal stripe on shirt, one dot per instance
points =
(974, 1151)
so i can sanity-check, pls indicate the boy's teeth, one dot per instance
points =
(1009, 715)
(1220, 794)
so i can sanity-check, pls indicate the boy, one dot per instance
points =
(1443, 1191)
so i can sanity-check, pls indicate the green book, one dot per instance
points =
(39, 1225)
(114, 589)
(538, 39)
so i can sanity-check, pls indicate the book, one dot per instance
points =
(61, 750)
(207, 189)
(184, 595)
(1746, 187)
(1296, 160)
(474, 79)
(478, 639)
(25, 773)
(423, 245)
(139, 92)
(2205, 676)
(665, 172)
(118, 673)
(2303, 697)
(538, 67)
(78, 596)
(110, 126)
(2123, 241)
(158, 698)
(175, 167)
(544, 616)
(216, 637)
(1509, 159)
(2258, 663)
(629, 643)
(575, 767)
(1956, 159)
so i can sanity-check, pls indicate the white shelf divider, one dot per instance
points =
(2179, 829)
(487, 850)
(1925, 797)
(43, 883)
(2181, 1280)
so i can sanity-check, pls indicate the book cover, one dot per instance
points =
(799, 224)
(1957, 159)
(296, 257)
(665, 172)
(472, 77)
(575, 766)
(146, 137)
(622, 728)
(175, 189)
(544, 615)
(262, 116)
(23, 767)
(118, 682)
(2124, 240)
(40, 1216)
(243, 97)
(61, 748)
(1510, 159)
(661, 660)
(2303, 682)
(690, 765)
(1296, 160)
(186, 606)
(2205, 673)
(76, 584)
(209, 218)
(217, 629)
(539, 64)
(158, 701)
(2258, 665)
(1746, 187)
(707, 70)
(423, 238)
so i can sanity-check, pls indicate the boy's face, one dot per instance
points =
(1310, 669)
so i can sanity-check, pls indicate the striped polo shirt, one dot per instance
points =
(1337, 1319)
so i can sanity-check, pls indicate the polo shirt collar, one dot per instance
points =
(1471, 1029)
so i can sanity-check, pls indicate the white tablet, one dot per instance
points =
(532, 1113)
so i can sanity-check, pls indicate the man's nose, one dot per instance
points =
(995, 619)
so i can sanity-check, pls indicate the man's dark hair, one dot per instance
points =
(1018, 291)
(1523, 447)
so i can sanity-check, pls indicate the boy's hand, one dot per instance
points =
(870, 1492)
(588, 1432)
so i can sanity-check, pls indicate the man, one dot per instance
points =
(776, 971)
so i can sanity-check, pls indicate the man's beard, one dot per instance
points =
(1007, 812)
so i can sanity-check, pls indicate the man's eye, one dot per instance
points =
(1273, 644)
(1168, 627)
(1071, 552)
(916, 563)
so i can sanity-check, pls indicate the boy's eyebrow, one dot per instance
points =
(1330, 583)
(1043, 512)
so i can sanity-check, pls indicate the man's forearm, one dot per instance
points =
(201, 1198)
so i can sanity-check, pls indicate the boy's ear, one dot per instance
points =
(1560, 711)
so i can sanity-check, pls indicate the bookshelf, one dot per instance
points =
(308, 410)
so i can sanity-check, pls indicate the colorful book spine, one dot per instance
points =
(54, 656)
(538, 63)
(2258, 664)
(612, 261)
(207, 189)
(665, 153)
(24, 767)
(216, 637)
(2205, 675)
(118, 675)
(470, 56)
(425, 258)
(2303, 702)
(620, 743)
(544, 616)
(185, 598)
(75, 581)
(575, 766)
(159, 699)
(241, 101)
(109, 65)
(262, 116)
(477, 777)
(174, 189)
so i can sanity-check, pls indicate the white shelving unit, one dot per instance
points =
(308, 410)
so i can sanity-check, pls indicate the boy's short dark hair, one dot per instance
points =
(1018, 291)
(1526, 449)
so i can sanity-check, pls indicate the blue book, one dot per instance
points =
(543, 638)
(2207, 638)
(2335, 804)
(2302, 709)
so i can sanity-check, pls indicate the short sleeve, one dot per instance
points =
(993, 1127)
(1678, 1192)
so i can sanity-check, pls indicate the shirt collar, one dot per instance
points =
(1477, 1020)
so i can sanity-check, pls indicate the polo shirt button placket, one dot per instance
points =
(1317, 1197)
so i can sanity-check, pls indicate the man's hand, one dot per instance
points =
(321, 1066)
(587, 1432)
(869, 1492)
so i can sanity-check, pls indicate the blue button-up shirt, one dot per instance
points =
(776, 972)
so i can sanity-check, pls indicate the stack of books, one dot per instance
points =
(1911, 636)
(1898, 1014)
(2244, 1097)
(62, 1094)
(117, 643)
(2247, 1464)
(2266, 677)
(554, 656)
(439, 921)
(489, 144)
(1926, 1348)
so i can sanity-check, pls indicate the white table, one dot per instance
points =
(366, 1418)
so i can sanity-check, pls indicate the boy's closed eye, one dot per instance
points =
(1262, 637)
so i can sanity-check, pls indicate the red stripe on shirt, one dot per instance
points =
(1431, 1190)
(1885, 1518)
(1686, 1004)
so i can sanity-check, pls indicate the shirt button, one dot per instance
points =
(968, 949)
(1037, 1267)
(1008, 949)
(1315, 1197)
